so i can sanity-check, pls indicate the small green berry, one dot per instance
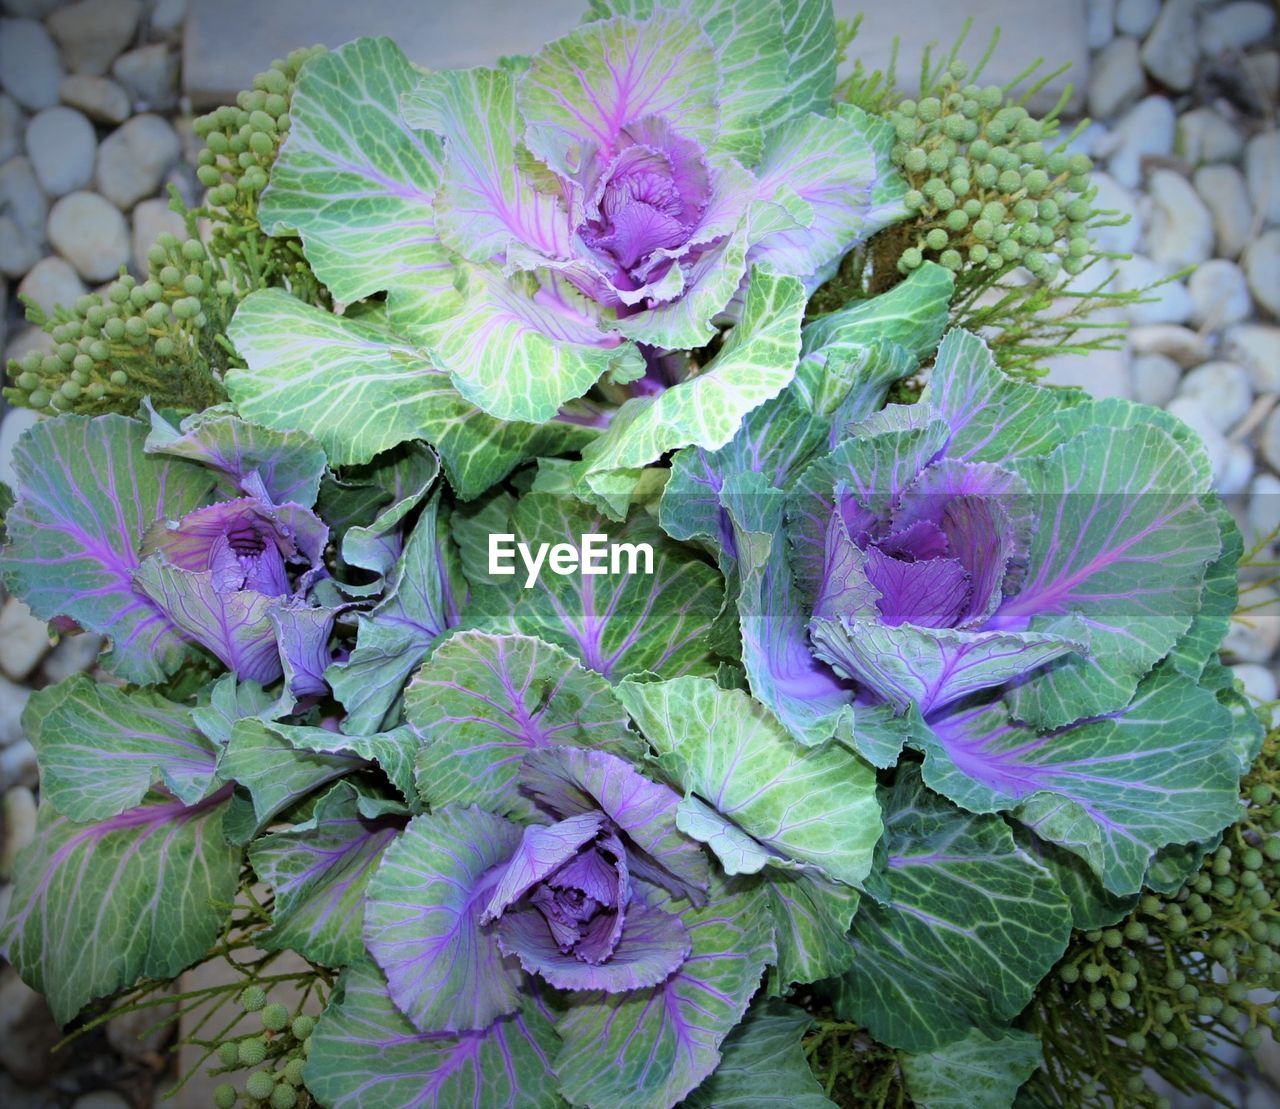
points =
(284, 1097)
(936, 239)
(252, 999)
(229, 1054)
(224, 1095)
(274, 1017)
(252, 1051)
(260, 1085)
(293, 1072)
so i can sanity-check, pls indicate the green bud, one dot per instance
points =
(284, 1097)
(216, 142)
(945, 199)
(1009, 181)
(83, 363)
(193, 250)
(224, 1095)
(193, 284)
(274, 1017)
(252, 999)
(1097, 1000)
(262, 144)
(39, 398)
(96, 316)
(186, 308)
(164, 347)
(1010, 250)
(70, 390)
(914, 200)
(135, 327)
(929, 109)
(936, 239)
(208, 176)
(118, 378)
(937, 160)
(915, 160)
(912, 258)
(1120, 999)
(1036, 182)
(170, 276)
(1070, 973)
(27, 381)
(956, 220)
(276, 105)
(260, 1085)
(951, 260)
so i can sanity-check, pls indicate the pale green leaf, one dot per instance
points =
(976, 1072)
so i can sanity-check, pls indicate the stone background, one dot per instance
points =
(95, 124)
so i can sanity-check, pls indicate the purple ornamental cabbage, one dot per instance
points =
(466, 903)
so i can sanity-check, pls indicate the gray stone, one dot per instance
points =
(150, 74)
(50, 282)
(11, 127)
(150, 218)
(1264, 506)
(18, 252)
(1183, 345)
(1191, 411)
(27, 1034)
(1222, 389)
(29, 67)
(91, 234)
(1219, 295)
(134, 1035)
(24, 640)
(27, 339)
(13, 699)
(1204, 135)
(1145, 132)
(1262, 267)
(73, 654)
(21, 197)
(1235, 26)
(1117, 79)
(1256, 347)
(1136, 17)
(100, 1099)
(93, 32)
(1101, 373)
(1181, 230)
(1225, 194)
(1124, 237)
(12, 426)
(1155, 379)
(1255, 636)
(1164, 300)
(1259, 682)
(62, 148)
(167, 19)
(30, 9)
(1262, 170)
(18, 767)
(1237, 472)
(99, 98)
(19, 820)
(1170, 51)
(132, 159)
(1269, 439)
(1099, 22)
(1262, 73)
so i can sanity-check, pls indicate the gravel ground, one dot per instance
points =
(94, 127)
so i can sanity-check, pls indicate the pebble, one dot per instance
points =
(1262, 73)
(1204, 135)
(1259, 683)
(1238, 471)
(16, 420)
(135, 1036)
(167, 19)
(31, 9)
(1225, 194)
(1262, 267)
(150, 74)
(1181, 231)
(93, 32)
(22, 199)
(1219, 295)
(29, 67)
(62, 148)
(24, 640)
(1256, 640)
(101, 1099)
(1170, 50)
(1099, 22)
(19, 809)
(1116, 80)
(132, 159)
(18, 765)
(150, 218)
(1124, 237)
(1256, 347)
(1264, 505)
(1155, 379)
(1164, 300)
(13, 699)
(91, 234)
(1262, 170)
(1269, 439)
(27, 1034)
(73, 654)
(1192, 412)
(1184, 346)
(27, 339)
(1222, 389)
(18, 253)
(99, 98)
(1146, 131)
(1136, 17)
(11, 127)
(1235, 26)
(50, 282)
(1103, 373)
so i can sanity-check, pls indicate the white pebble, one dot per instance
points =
(1256, 347)
(150, 218)
(1171, 49)
(1223, 190)
(132, 159)
(167, 19)
(1191, 411)
(150, 74)
(1221, 389)
(1262, 267)
(92, 32)
(1262, 169)
(1126, 235)
(19, 807)
(1256, 634)
(1238, 471)
(1219, 295)
(1183, 345)
(62, 147)
(21, 197)
(1155, 379)
(1163, 300)
(1101, 373)
(99, 98)
(1181, 231)
(1264, 506)
(51, 282)
(1136, 17)
(11, 127)
(17, 765)
(1146, 131)
(1117, 79)
(91, 234)
(1269, 439)
(1204, 135)
(13, 699)
(1099, 22)
(1259, 683)
(29, 67)
(1235, 26)
(24, 640)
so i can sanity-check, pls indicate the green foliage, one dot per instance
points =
(165, 337)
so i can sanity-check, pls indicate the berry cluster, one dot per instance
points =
(986, 188)
(280, 1053)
